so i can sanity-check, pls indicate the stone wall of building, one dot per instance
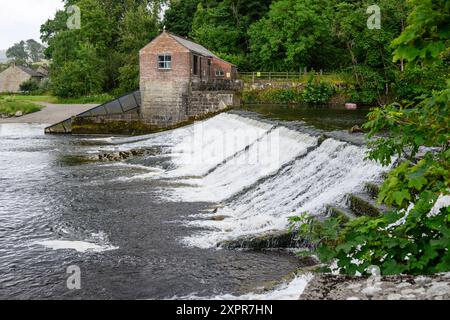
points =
(204, 102)
(12, 78)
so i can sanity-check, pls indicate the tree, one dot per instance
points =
(179, 16)
(104, 52)
(222, 27)
(137, 30)
(35, 50)
(18, 53)
(292, 35)
(367, 51)
(427, 34)
(413, 238)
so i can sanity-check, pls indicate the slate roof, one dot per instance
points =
(192, 46)
(31, 72)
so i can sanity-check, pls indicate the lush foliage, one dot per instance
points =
(273, 95)
(408, 239)
(179, 16)
(26, 52)
(102, 56)
(419, 80)
(317, 92)
(29, 86)
(411, 238)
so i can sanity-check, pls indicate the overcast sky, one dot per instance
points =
(22, 19)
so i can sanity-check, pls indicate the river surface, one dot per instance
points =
(142, 228)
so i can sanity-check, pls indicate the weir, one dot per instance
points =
(256, 174)
(124, 107)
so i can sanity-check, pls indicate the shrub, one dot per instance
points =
(29, 86)
(273, 95)
(417, 81)
(317, 92)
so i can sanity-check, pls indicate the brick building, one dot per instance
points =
(180, 79)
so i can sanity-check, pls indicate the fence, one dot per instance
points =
(279, 76)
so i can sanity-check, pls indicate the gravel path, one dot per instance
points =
(51, 113)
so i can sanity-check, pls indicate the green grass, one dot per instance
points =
(10, 105)
(94, 99)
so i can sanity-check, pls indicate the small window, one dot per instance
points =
(219, 73)
(164, 61)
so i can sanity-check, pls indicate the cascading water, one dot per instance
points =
(143, 221)
(262, 174)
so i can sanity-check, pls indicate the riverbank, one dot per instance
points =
(401, 287)
(50, 113)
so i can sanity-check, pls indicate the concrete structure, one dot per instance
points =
(180, 79)
(15, 75)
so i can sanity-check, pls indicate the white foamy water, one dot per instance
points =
(262, 174)
(79, 246)
(263, 158)
(287, 291)
(212, 142)
(324, 176)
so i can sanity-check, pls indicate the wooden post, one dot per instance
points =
(270, 76)
(253, 77)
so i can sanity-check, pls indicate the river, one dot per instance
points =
(148, 227)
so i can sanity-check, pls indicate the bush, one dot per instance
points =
(29, 86)
(317, 92)
(417, 81)
(367, 85)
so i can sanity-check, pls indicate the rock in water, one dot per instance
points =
(351, 106)
(355, 129)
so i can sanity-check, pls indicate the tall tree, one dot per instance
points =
(291, 35)
(139, 27)
(35, 50)
(179, 16)
(104, 51)
(18, 53)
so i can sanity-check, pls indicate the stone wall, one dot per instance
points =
(204, 102)
(12, 78)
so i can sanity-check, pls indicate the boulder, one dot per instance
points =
(18, 114)
(355, 129)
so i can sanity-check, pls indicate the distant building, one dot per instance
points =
(180, 79)
(15, 75)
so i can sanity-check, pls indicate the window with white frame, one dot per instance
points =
(164, 61)
(219, 73)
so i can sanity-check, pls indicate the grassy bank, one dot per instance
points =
(94, 99)
(10, 105)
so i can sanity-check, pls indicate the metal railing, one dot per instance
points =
(278, 76)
